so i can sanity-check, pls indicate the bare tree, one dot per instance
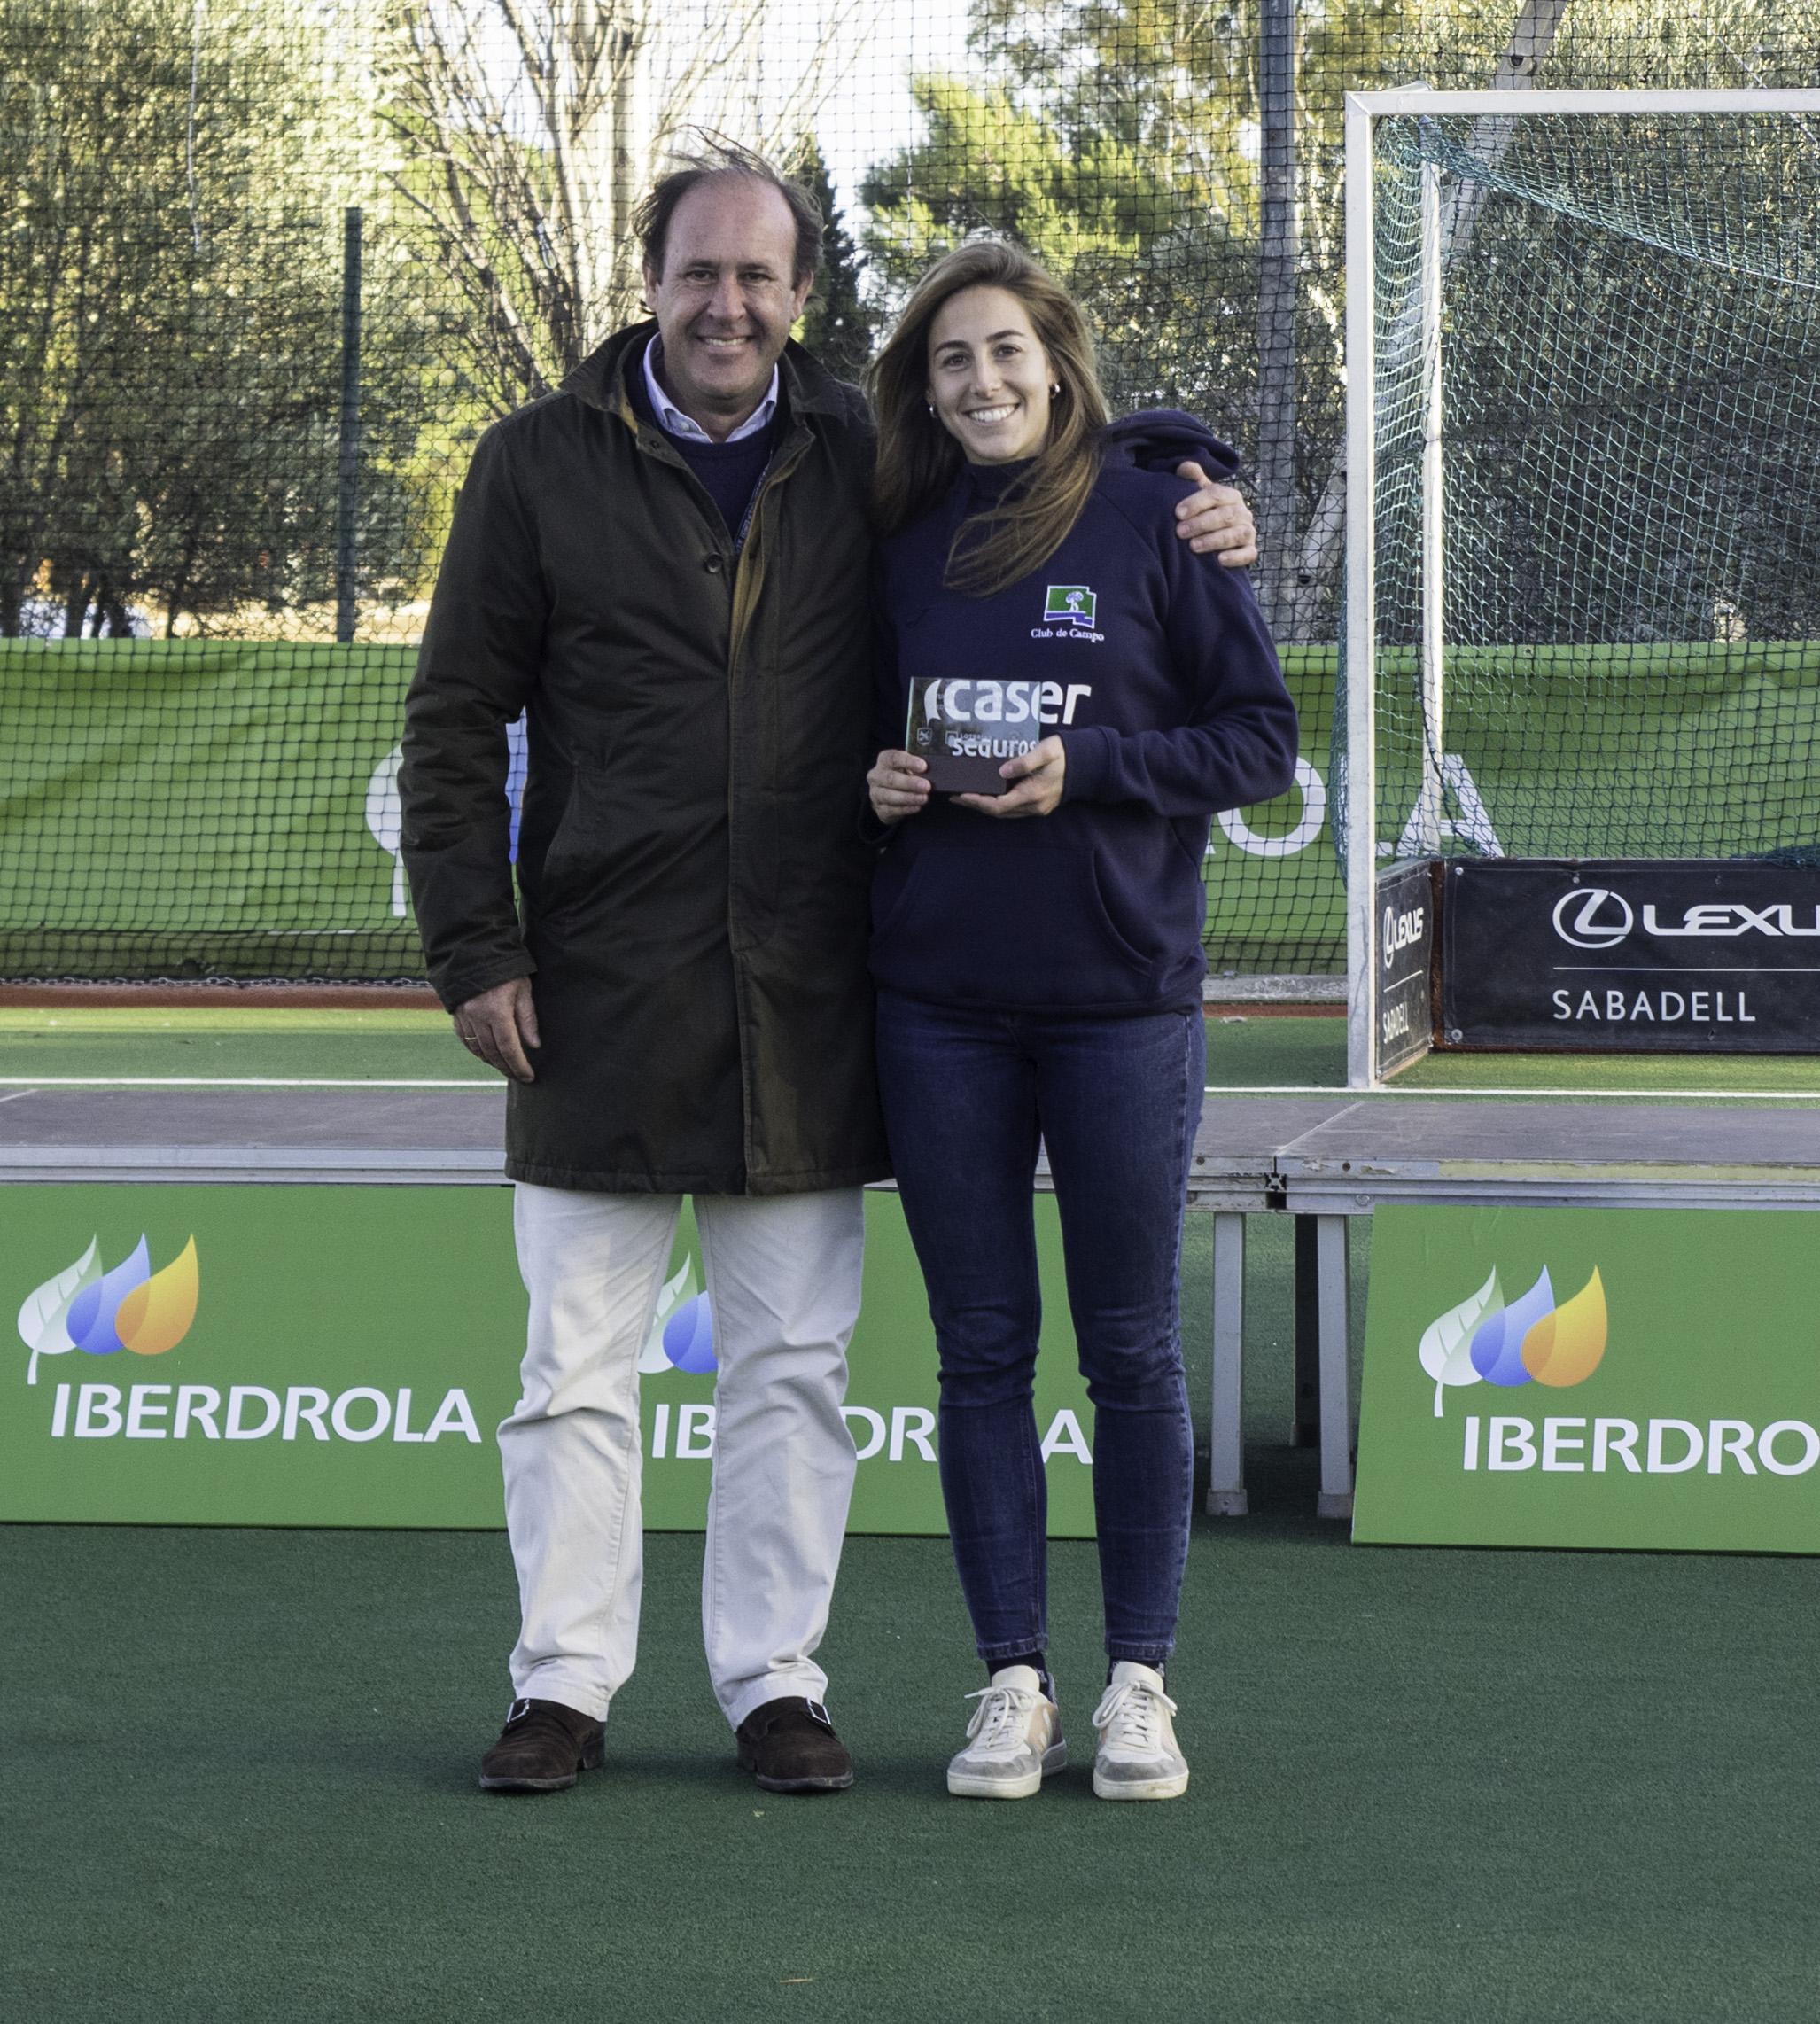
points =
(529, 129)
(1308, 609)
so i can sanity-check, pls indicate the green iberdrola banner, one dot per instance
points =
(1616, 1378)
(341, 1356)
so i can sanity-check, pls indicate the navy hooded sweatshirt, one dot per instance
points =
(1154, 667)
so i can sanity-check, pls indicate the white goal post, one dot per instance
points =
(1495, 113)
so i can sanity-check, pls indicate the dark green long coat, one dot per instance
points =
(693, 884)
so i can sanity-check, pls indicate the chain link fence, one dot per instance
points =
(268, 270)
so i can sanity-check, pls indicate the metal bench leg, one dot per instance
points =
(1305, 1415)
(1225, 1490)
(1336, 1500)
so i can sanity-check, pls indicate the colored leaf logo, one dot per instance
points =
(677, 1290)
(1447, 1343)
(1497, 1347)
(1530, 1341)
(103, 1313)
(1565, 1347)
(93, 1311)
(682, 1334)
(688, 1337)
(156, 1317)
(43, 1318)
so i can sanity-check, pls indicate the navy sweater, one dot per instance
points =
(1154, 667)
(728, 472)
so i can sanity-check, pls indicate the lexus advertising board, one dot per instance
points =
(1404, 949)
(1677, 956)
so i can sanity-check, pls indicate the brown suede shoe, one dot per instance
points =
(544, 1746)
(791, 1747)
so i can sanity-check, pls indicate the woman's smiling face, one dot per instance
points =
(989, 376)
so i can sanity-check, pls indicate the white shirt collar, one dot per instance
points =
(677, 424)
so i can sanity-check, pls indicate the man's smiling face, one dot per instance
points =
(725, 298)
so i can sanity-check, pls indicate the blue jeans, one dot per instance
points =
(967, 1095)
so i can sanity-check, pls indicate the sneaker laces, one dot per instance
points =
(1001, 1721)
(1128, 1717)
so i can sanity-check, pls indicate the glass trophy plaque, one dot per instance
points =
(961, 728)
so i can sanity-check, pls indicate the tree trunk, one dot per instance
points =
(1278, 245)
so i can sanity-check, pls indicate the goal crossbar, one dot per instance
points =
(1415, 99)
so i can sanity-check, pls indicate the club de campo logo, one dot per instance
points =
(1528, 1340)
(1069, 604)
(682, 1335)
(102, 1312)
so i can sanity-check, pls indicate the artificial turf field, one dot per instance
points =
(1438, 1784)
(1246, 1051)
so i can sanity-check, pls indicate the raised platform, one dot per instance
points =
(368, 1137)
(1324, 1159)
(1322, 1153)
(1342, 1155)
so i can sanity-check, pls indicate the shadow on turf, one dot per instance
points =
(643, 1776)
(1282, 1483)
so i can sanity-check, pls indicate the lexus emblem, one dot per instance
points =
(1592, 917)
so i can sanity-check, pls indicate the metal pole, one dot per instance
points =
(1278, 245)
(1361, 602)
(1434, 559)
(1332, 1246)
(347, 494)
(1225, 1488)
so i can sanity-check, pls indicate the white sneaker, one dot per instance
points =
(1015, 1738)
(1138, 1755)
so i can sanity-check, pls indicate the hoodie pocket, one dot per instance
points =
(1014, 928)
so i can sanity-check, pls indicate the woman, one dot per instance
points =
(1038, 953)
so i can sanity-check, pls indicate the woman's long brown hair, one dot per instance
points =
(918, 459)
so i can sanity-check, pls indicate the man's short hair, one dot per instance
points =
(710, 156)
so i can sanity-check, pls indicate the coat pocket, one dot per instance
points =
(575, 864)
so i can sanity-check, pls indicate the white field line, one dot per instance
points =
(29, 1082)
(1469, 1089)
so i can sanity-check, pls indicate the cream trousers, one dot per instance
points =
(783, 1289)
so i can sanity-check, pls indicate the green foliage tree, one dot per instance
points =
(170, 317)
(839, 325)
(1119, 140)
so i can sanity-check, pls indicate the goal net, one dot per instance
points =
(1584, 471)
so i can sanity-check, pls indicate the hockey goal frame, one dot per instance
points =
(1498, 110)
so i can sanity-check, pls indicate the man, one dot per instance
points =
(667, 561)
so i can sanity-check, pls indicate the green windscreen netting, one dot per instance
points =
(266, 270)
(1608, 645)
